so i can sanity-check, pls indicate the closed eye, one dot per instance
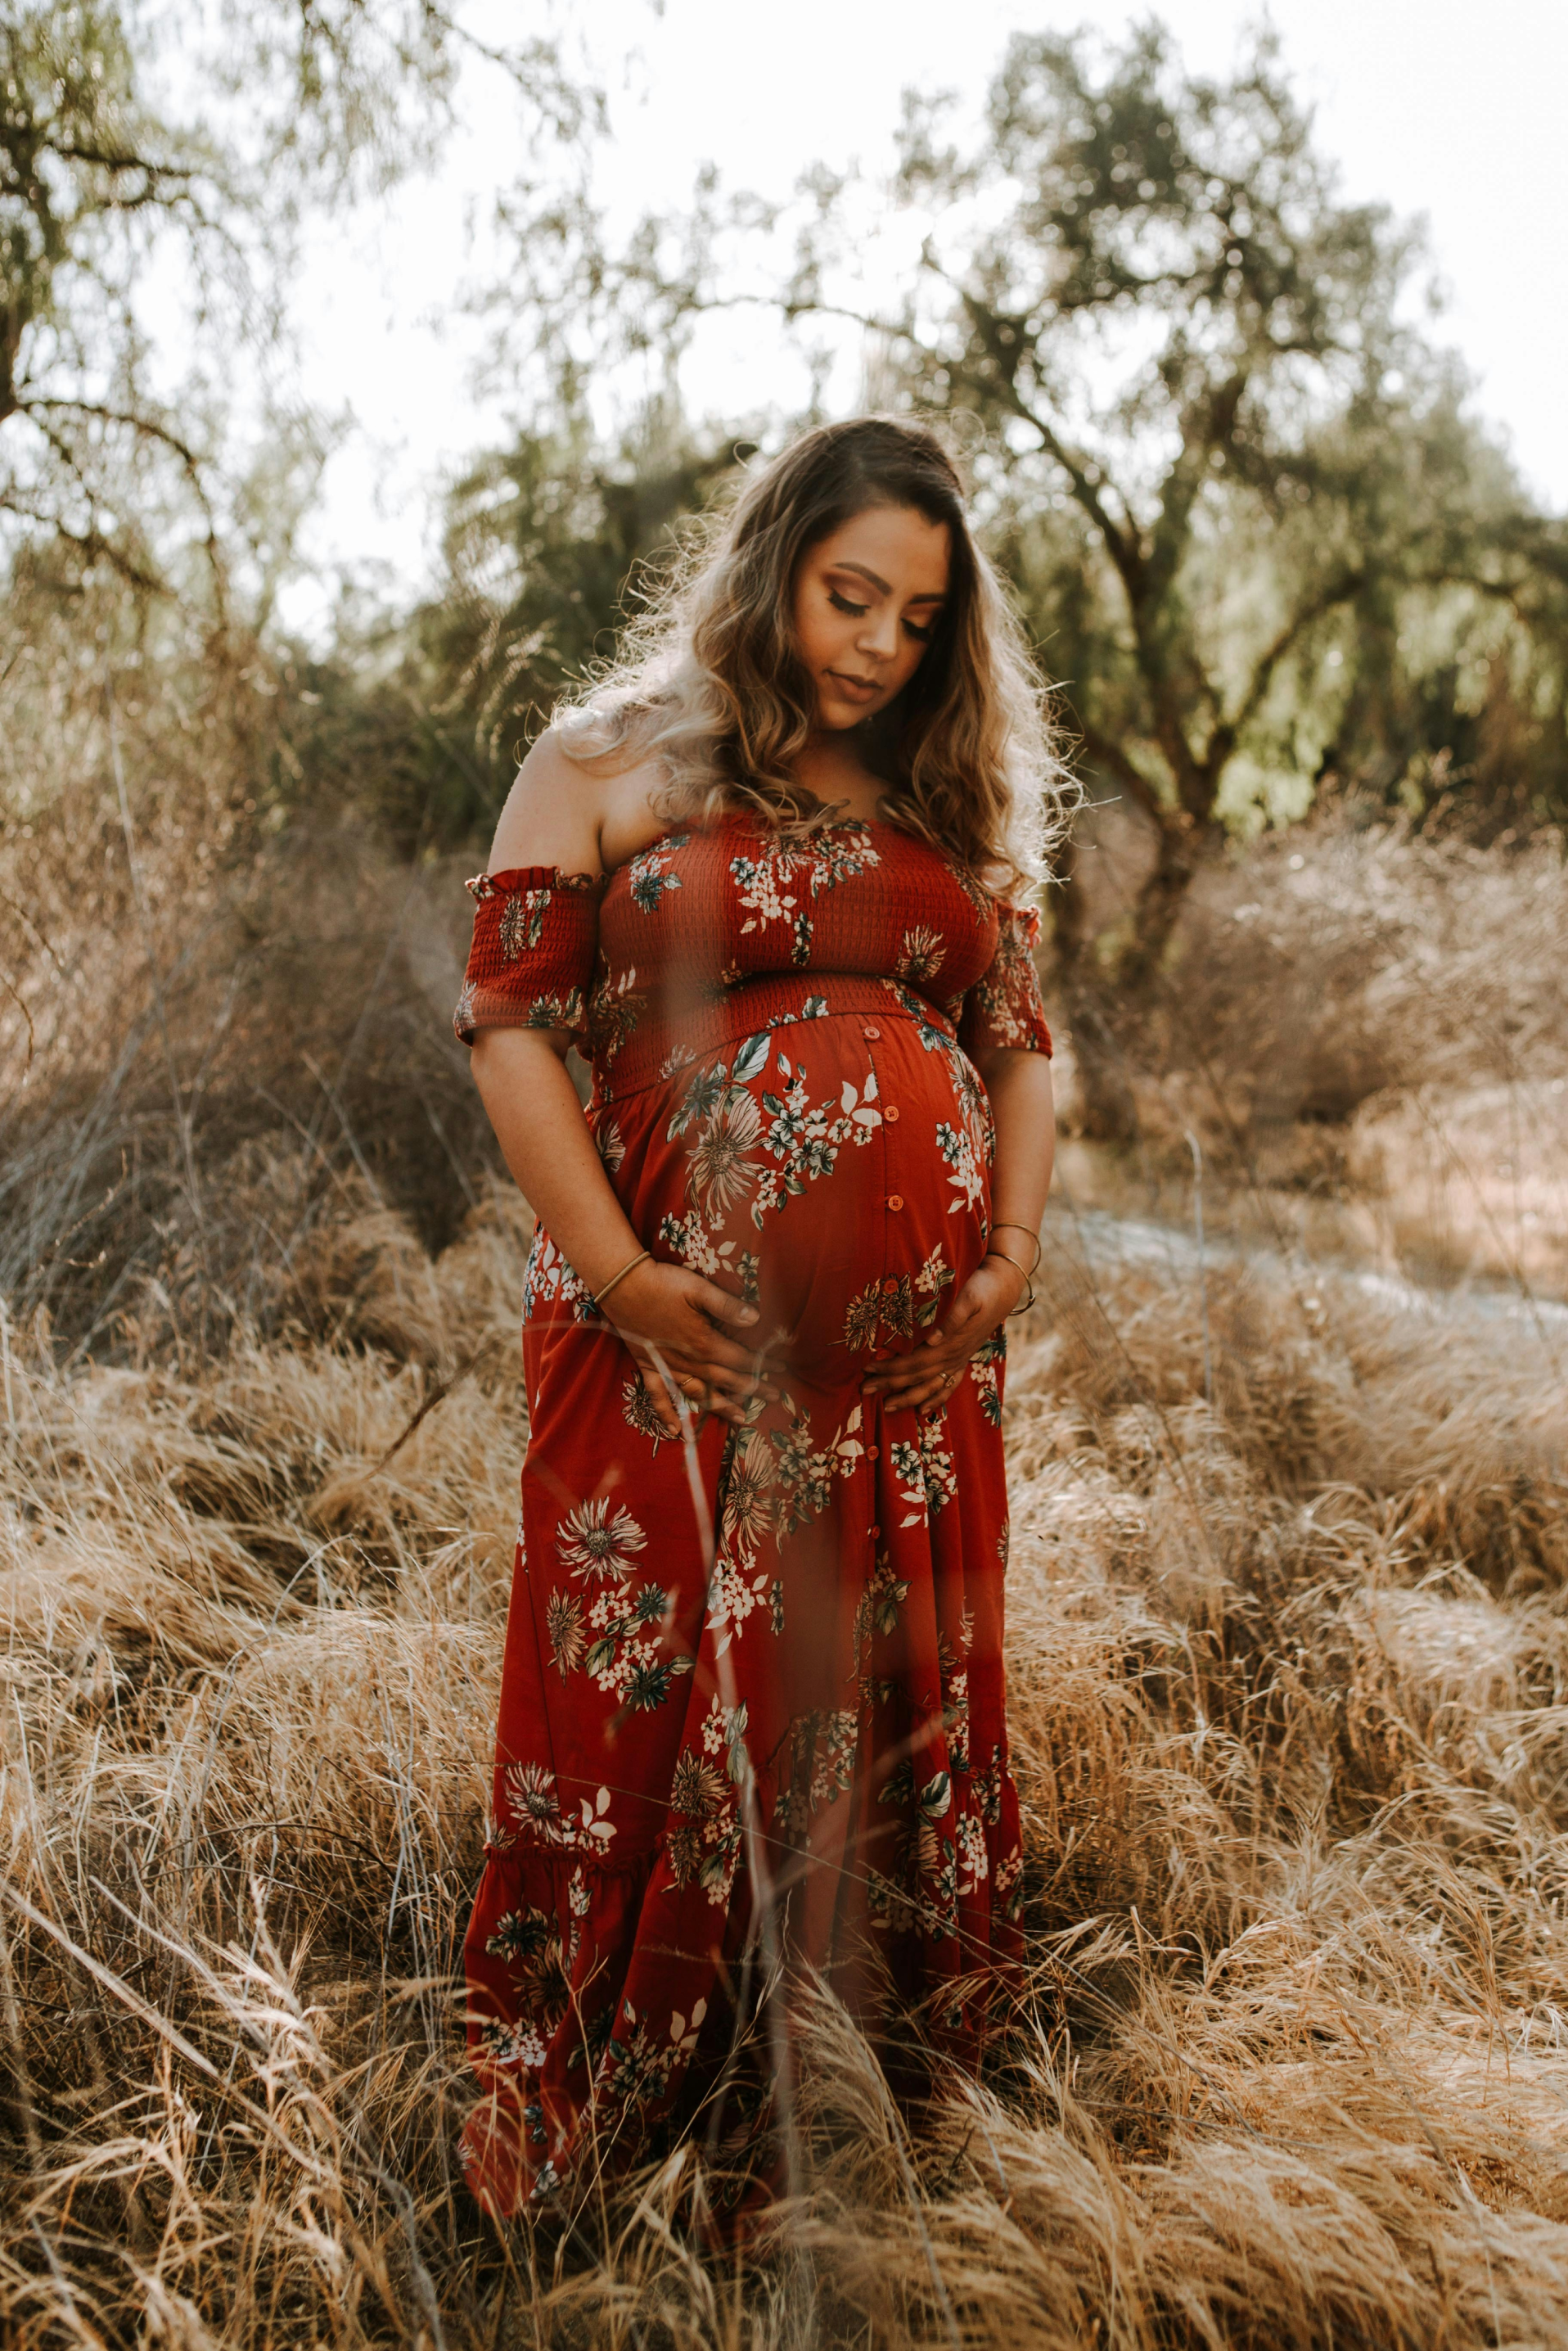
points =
(842, 605)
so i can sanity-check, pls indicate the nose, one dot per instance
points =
(879, 635)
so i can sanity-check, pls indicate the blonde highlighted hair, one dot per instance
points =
(713, 687)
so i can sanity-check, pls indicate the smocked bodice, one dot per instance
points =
(720, 932)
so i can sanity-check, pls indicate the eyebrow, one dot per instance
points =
(861, 571)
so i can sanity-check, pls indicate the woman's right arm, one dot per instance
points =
(555, 816)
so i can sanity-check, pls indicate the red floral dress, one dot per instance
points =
(752, 1705)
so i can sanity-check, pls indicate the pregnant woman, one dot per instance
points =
(752, 1709)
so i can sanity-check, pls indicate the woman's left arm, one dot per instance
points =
(1019, 1085)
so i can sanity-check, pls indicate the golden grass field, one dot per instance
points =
(1288, 1674)
(1288, 1654)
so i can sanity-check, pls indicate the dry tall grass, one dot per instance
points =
(1288, 1665)
(1367, 1031)
(223, 1006)
(1289, 1645)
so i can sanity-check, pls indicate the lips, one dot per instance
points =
(857, 689)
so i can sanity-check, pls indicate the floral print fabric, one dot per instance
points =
(751, 1698)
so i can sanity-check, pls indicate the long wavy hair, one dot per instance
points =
(712, 686)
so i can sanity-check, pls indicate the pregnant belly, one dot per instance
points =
(836, 1170)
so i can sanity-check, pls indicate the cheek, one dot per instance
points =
(819, 633)
(807, 629)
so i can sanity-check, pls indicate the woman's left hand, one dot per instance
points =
(927, 1375)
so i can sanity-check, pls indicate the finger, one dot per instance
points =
(964, 1309)
(907, 1391)
(946, 1390)
(712, 1387)
(705, 1346)
(736, 1391)
(919, 1402)
(654, 1388)
(695, 1370)
(674, 1401)
(698, 1404)
(729, 1367)
(742, 1399)
(709, 1299)
(901, 1369)
(919, 1372)
(666, 1411)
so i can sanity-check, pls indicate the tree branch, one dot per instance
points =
(91, 543)
(1223, 739)
(145, 424)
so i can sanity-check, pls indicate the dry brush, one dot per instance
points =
(1289, 1668)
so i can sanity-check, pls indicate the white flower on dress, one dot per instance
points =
(592, 1543)
(921, 955)
(748, 1485)
(720, 1173)
(523, 923)
(564, 1623)
(512, 2044)
(531, 1792)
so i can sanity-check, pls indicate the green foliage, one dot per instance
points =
(546, 551)
(1237, 491)
(291, 103)
(83, 170)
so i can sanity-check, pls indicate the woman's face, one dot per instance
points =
(866, 605)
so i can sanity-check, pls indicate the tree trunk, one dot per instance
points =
(1108, 1112)
(1160, 900)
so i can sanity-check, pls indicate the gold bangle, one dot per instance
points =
(1024, 1303)
(1012, 1225)
(600, 1295)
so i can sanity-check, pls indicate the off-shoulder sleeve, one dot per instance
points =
(536, 933)
(1005, 1007)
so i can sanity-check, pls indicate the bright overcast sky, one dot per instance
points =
(1438, 106)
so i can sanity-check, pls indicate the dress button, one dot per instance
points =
(875, 1532)
(895, 1199)
(871, 1453)
(891, 1114)
(871, 1033)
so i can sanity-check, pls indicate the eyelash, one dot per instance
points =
(843, 604)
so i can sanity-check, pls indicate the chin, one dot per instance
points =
(839, 718)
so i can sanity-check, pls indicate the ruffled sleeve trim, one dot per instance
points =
(515, 878)
(1005, 1007)
(535, 935)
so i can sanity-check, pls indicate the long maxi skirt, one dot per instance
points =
(752, 1699)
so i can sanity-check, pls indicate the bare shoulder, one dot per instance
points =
(583, 820)
(552, 813)
(634, 811)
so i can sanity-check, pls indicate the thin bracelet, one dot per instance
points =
(1012, 1225)
(600, 1295)
(1024, 1303)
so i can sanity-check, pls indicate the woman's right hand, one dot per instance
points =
(668, 1311)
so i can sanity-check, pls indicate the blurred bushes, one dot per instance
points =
(417, 725)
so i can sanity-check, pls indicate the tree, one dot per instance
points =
(297, 101)
(82, 166)
(1203, 427)
(1172, 321)
(547, 551)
